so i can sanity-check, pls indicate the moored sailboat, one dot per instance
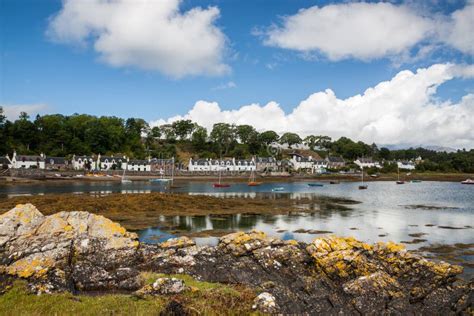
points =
(398, 172)
(363, 186)
(220, 184)
(123, 180)
(253, 180)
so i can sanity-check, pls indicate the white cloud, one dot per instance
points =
(12, 112)
(460, 29)
(403, 110)
(371, 30)
(224, 86)
(148, 34)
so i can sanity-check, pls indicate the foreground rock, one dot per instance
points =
(78, 251)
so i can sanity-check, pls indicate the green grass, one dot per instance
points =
(203, 298)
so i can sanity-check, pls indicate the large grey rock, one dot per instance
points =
(68, 250)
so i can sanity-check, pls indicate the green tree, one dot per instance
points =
(24, 132)
(384, 153)
(223, 135)
(269, 137)
(311, 141)
(155, 132)
(183, 128)
(245, 133)
(169, 132)
(199, 138)
(290, 139)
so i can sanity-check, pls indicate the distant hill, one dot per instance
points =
(428, 147)
(440, 149)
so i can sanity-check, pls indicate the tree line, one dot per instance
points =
(81, 134)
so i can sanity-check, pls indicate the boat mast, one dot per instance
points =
(123, 174)
(172, 168)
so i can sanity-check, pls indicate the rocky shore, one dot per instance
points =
(79, 252)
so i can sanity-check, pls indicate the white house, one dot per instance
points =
(199, 165)
(299, 162)
(81, 162)
(111, 162)
(320, 165)
(138, 165)
(26, 161)
(367, 163)
(406, 165)
(222, 164)
(266, 164)
(57, 163)
(243, 165)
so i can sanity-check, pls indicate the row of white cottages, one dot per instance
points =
(369, 163)
(297, 162)
(84, 163)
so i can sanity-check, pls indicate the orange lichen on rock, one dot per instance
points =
(34, 266)
(177, 243)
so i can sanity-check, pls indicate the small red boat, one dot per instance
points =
(221, 185)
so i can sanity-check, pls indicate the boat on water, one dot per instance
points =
(278, 189)
(219, 184)
(468, 181)
(363, 186)
(253, 180)
(124, 180)
(162, 178)
(399, 181)
(334, 182)
(415, 181)
(315, 184)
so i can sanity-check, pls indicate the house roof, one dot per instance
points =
(365, 160)
(335, 159)
(319, 160)
(110, 158)
(266, 160)
(83, 157)
(306, 153)
(56, 160)
(159, 161)
(29, 158)
(201, 162)
(243, 161)
(139, 161)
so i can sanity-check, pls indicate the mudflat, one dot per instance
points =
(137, 211)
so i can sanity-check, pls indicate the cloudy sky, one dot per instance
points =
(393, 72)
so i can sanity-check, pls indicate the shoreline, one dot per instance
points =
(445, 177)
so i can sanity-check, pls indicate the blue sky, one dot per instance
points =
(63, 76)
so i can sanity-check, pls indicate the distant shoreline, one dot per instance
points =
(449, 177)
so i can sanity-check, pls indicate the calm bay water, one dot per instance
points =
(433, 212)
